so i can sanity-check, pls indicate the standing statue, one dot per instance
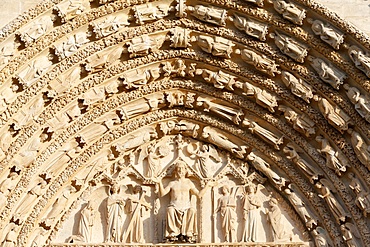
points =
(289, 11)
(361, 101)
(181, 215)
(361, 148)
(327, 33)
(87, 222)
(335, 115)
(260, 62)
(217, 46)
(135, 205)
(362, 196)
(335, 159)
(320, 237)
(115, 209)
(263, 97)
(297, 86)
(212, 14)
(327, 72)
(251, 212)
(227, 208)
(360, 58)
(290, 47)
(203, 157)
(251, 27)
(274, 218)
(301, 122)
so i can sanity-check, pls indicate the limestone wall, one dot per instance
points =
(355, 11)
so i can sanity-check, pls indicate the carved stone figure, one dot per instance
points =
(219, 79)
(217, 138)
(135, 205)
(290, 47)
(93, 96)
(25, 116)
(251, 212)
(115, 210)
(361, 148)
(362, 196)
(264, 167)
(263, 97)
(327, 72)
(210, 14)
(180, 37)
(29, 201)
(137, 139)
(361, 102)
(150, 153)
(144, 44)
(360, 58)
(274, 218)
(327, 33)
(350, 234)
(217, 46)
(147, 12)
(203, 156)
(6, 53)
(312, 172)
(65, 80)
(183, 127)
(70, 9)
(181, 216)
(176, 67)
(289, 11)
(99, 61)
(263, 133)
(38, 28)
(210, 104)
(34, 70)
(109, 25)
(7, 96)
(227, 208)
(301, 122)
(260, 62)
(320, 237)
(335, 159)
(335, 116)
(67, 48)
(11, 238)
(6, 187)
(87, 222)
(301, 209)
(339, 212)
(251, 27)
(297, 86)
(148, 103)
(259, 3)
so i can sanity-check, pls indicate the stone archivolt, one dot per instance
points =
(259, 107)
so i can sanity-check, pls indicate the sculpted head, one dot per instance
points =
(225, 189)
(181, 169)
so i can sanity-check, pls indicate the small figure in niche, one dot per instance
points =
(227, 208)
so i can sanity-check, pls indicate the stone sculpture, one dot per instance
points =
(180, 37)
(137, 139)
(263, 97)
(6, 187)
(362, 196)
(181, 215)
(335, 159)
(227, 208)
(265, 134)
(290, 47)
(210, 104)
(251, 212)
(34, 70)
(210, 14)
(219, 79)
(109, 25)
(115, 211)
(335, 116)
(87, 221)
(327, 72)
(34, 31)
(361, 102)
(350, 234)
(289, 11)
(98, 62)
(274, 218)
(264, 167)
(70, 9)
(217, 46)
(143, 105)
(7, 96)
(67, 48)
(301, 209)
(136, 78)
(203, 156)
(309, 170)
(360, 58)
(135, 205)
(297, 86)
(361, 148)
(321, 237)
(11, 237)
(301, 122)
(6, 53)
(147, 12)
(259, 3)
(219, 139)
(145, 44)
(251, 27)
(260, 62)
(327, 33)
(336, 208)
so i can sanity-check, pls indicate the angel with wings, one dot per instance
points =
(203, 155)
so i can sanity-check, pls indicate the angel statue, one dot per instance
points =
(320, 237)
(203, 156)
(350, 234)
(252, 203)
(152, 152)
